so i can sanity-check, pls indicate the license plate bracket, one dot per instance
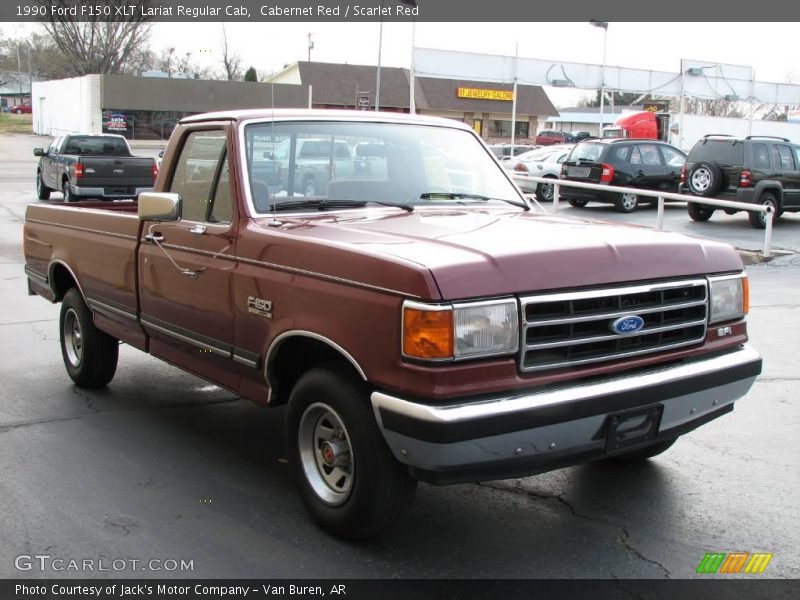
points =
(632, 427)
(578, 171)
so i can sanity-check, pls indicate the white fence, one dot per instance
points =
(661, 197)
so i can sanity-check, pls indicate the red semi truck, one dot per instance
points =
(645, 125)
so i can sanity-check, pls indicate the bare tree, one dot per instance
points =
(231, 61)
(102, 44)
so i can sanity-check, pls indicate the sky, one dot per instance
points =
(658, 46)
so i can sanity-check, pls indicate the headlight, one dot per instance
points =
(460, 331)
(729, 297)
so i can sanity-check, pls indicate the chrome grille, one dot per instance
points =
(566, 329)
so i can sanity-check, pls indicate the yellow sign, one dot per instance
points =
(479, 94)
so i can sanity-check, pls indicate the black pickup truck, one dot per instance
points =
(92, 166)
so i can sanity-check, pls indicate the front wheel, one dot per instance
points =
(310, 187)
(347, 477)
(42, 191)
(698, 212)
(627, 202)
(758, 220)
(90, 355)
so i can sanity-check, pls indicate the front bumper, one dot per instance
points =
(519, 435)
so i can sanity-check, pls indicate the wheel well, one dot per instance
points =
(775, 192)
(61, 280)
(295, 356)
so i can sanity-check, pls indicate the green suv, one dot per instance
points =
(756, 169)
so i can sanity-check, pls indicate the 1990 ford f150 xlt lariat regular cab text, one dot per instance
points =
(421, 319)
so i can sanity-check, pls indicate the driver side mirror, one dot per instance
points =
(157, 206)
(39, 152)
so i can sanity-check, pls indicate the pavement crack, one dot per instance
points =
(622, 588)
(774, 379)
(93, 410)
(623, 539)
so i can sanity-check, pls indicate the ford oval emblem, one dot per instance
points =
(627, 325)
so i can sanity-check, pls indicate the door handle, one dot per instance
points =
(154, 238)
(640, 173)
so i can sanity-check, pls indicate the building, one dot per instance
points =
(145, 107)
(15, 89)
(484, 106)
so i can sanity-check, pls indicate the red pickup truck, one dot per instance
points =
(420, 319)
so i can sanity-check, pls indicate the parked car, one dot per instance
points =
(583, 135)
(756, 169)
(544, 162)
(420, 323)
(20, 109)
(549, 137)
(92, 166)
(638, 164)
(503, 151)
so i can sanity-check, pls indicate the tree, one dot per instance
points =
(231, 62)
(102, 44)
(251, 74)
(620, 99)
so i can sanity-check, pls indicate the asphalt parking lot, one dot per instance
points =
(164, 466)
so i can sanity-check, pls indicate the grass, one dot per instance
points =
(11, 123)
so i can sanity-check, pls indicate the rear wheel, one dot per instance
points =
(578, 203)
(90, 355)
(545, 192)
(627, 202)
(310, 187)
(347, 477)
(698, 212)
(67, 191)
(42, 191)
(759, 219)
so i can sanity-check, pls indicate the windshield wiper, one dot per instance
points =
(463, 196)
(322, 204)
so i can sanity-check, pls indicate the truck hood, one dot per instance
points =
(474, 253)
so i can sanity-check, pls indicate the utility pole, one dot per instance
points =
(310, 45)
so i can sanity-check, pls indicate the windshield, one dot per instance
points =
(369, 162)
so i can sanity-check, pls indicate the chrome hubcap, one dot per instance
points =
(629, 201)
(73, 338)
(326, 453)
(701, 179)
(547, 191)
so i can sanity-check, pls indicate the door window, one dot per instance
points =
(650, 154)
(786, 158)
(760, 156)
(196, 174)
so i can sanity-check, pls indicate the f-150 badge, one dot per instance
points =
(259, 306)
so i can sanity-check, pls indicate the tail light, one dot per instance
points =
(744, 179)
(155, 170)
(78, 170)
(521, 167)
(608, 173)
(683, 174)
(563, 171)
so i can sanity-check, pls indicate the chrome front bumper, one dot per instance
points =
(517, 435)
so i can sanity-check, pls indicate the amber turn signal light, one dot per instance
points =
(745, 295)
(427, 333)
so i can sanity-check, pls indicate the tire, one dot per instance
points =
(698, 212)
(578, 203)
(68, 195)
(758, 220)
(42, 191)
(17, 111)
(330, 419)
(627, 202)
(705, 179)
(544, 192)
(309, 186)
(89, 354)
(643, 453)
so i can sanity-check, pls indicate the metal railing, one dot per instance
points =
(661, 197)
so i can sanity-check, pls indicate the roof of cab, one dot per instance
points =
(284, 114)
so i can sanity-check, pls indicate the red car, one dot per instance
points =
(549, 137)
(21, 109)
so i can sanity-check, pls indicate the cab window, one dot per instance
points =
(201, 178)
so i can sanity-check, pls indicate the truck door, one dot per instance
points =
(186, 291)
(49, 167)
(789, 172)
